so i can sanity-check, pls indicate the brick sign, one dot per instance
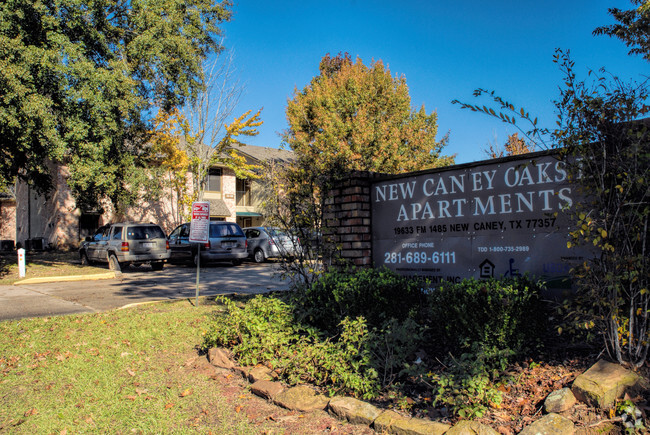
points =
(499, 218)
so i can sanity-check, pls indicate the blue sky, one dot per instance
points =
(444, 48)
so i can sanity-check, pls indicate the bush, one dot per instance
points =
(376, 294)
(466, 387)
(264, 331)
(483, 323)
(496, 318)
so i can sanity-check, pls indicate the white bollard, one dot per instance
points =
(21, 263)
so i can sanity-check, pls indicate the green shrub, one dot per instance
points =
(334, 347)
(264, 332)
(376, 294)
(394, 347)
(498, 318)
(342, 366)
(466, 387)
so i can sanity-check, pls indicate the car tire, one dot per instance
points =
(84, 259)
(158, 265)
(259, 256)
(195, 259)
(237, 262)
(113, 263)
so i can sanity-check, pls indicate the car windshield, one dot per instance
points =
(274, 232)
(143, 233)
(225, 230)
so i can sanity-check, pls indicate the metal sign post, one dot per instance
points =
(199, 233)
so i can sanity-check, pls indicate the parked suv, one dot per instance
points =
(226, 242)
(264, 242)
(126, 243)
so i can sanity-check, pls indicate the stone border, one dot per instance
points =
(601, 384)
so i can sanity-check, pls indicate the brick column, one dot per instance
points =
(347, 221)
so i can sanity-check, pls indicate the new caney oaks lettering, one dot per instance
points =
(497, 218)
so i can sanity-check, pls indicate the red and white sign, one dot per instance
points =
(200, 224)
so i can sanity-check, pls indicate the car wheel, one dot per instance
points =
(237, 262)
(195, 259)
(84, 259)
(259, 256)
(157, 265)
(113, 264)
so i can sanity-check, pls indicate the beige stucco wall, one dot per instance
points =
(228, 193)
(56, 217)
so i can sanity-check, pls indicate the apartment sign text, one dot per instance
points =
(496, 219)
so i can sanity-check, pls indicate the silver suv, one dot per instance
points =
(126, 243)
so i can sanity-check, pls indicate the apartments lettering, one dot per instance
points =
(533, 188)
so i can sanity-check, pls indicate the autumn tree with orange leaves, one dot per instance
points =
(354, 117)
(350, 117)
(514, 146)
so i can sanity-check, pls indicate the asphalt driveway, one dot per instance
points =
(136, 285)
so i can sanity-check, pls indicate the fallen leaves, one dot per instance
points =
(186, 392)
(30, 412)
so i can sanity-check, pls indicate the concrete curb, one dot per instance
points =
(45, 279)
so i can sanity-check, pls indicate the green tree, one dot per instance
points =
(354, 117)
(78, 79)
(633, 28)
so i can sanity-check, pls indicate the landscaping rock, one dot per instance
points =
(267, 389)
(466, 427)
(220, 357)
(301, 398)
(550, 424)
(243, 371)
(385, 420)
(353, 410)
(392, 423)
(603, 383)
(201, 365)
(560, 401)
(259, 373)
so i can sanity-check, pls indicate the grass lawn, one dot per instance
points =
(42, 264)
(123, 371)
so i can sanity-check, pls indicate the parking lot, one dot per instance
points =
(137, 285)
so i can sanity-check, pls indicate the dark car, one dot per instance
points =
(126, 243)
(265, 242)
(227, 242)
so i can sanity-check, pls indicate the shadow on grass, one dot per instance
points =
(5, 264)
(42, 260)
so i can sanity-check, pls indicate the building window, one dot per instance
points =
(213, 180)
(243, 192)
